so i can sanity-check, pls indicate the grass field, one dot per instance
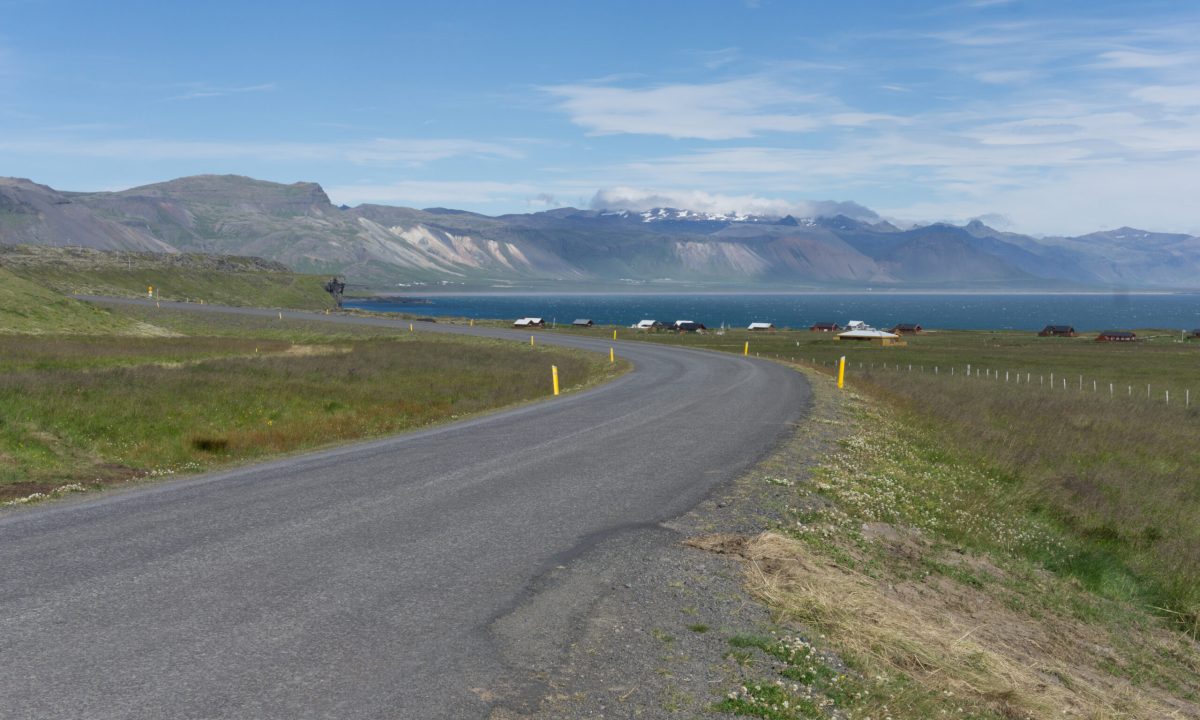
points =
(97, 410)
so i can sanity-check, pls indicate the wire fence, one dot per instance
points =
(1052, 381)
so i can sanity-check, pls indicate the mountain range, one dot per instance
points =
(383, 247)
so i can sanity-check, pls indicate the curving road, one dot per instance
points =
(362, 582)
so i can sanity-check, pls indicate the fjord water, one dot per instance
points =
(1117, 310)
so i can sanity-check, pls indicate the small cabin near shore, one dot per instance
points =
(1196, 333)
(530, 322)
(906, 329)
(761, 327)
(648, 325)
(683, 326)
(1057, 331)
(582, 323)
(824, 327)
(1116, 336)
(865, 333)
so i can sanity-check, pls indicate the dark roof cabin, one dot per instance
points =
(528, 322)
(1196, 333)
(906, 329)
(582, 322)
(825, 327)
(688, 326)
(1057, 331)
(1116, 336)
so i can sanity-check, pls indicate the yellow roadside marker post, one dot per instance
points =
(746, 350)
(554, 374)
(410, 327)
(472, 322)
(530, 341)
(612, 356)
(841, 372)
(614, 334)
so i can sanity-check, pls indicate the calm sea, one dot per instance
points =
(958, 312)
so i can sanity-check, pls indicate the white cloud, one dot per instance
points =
(641, 199)
(738, 108)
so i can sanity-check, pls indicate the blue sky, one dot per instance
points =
(1043, 117)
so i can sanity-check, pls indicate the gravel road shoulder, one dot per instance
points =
(638, 626)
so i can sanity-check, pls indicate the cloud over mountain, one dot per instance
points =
(641, 199)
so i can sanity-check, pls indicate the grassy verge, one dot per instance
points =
(98, 410)
(909, 582)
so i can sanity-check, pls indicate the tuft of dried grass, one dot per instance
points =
(948, 637)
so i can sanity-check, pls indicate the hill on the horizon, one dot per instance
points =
(384, 247)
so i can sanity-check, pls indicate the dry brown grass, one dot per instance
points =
(949, 637)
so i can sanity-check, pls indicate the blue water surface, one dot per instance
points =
(951, 312)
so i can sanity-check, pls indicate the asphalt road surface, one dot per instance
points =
(363, 582)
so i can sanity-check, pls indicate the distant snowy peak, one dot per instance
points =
(661, 214)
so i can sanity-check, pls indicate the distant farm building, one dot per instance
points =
(865, 333)
(1116, 336)
(1196, 333)
(906, 329)
(648, 325)
(582, 322)
(759, 327)
(1057, 331)
(688, 326)
(825, 327)
(530, 322)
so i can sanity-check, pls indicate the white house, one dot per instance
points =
(526, 322)
(647, 325)
(761, 326)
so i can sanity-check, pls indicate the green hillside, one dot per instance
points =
(188, 276)
(31, 308)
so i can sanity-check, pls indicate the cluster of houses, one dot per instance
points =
(1103, 336)
(680, 326)
(853, 330)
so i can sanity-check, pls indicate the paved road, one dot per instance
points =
(362, 582)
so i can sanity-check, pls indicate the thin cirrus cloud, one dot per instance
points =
(433, 192)
(1141, 60)
(379, 151)
(203, 90)
(739, 108)
(1172, 96)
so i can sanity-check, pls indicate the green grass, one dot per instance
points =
(99, 410)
